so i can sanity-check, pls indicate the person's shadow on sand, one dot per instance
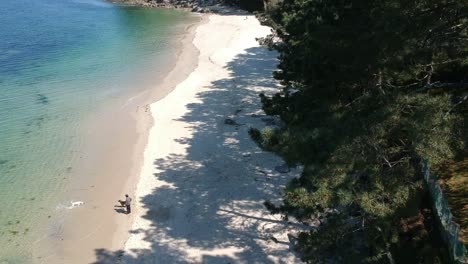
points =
(120, 208)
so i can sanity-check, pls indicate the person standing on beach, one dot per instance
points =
(128, 201)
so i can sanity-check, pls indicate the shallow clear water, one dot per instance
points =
(60, 60)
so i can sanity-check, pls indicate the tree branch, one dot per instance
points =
(464, 99)
(439, 85)
(440, 63)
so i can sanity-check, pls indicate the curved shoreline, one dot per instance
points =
(186, 61)
(197, 198)
(96, 225)
(201, 181)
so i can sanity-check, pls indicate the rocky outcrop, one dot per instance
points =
(201, 6)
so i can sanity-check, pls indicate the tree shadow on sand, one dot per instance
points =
(212, 197)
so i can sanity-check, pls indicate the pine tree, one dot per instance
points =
(371, 87)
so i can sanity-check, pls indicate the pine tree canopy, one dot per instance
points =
(370, 89)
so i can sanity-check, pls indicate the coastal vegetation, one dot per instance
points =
(371, 90)
(197, 5)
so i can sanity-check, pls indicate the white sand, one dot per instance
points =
(203, 183)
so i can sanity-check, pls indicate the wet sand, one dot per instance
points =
(200, 180)
(109, 165)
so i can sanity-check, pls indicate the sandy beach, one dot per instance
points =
(197, 180)
(203, 182)
(109, 167)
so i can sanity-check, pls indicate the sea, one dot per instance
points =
(60, 62)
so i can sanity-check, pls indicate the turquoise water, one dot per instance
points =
(60, 60)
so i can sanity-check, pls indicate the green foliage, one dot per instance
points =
(255, 134)
(269, 137)
(266, 137)
(249, 5)
(370, 88)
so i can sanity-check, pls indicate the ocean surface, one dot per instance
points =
(60, 61)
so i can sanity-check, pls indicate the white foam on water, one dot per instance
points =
(70, 205)
(93, 2)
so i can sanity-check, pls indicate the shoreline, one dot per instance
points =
(202, 185)
(188, 6)
(95, 225)
(186, 55)
(198, 183)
